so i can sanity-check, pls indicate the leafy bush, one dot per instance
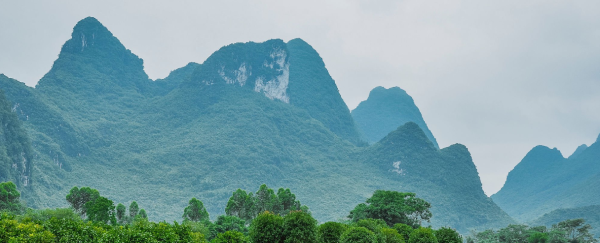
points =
(422, 235)
(266, 228)
(299, 227)
(448, 235)
(331, 232)
(358, 235)
(230, 237)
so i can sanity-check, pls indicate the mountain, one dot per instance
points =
(544, 181)
(251, 113)
(591, 214)
(16, 154)
(385, 110)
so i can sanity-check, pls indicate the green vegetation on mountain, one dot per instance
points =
(385, 110)
(16, 153)
(591, 215)
(251, 114)
(545, 181)
(567, 231)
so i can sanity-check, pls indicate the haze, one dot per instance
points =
(499, 77)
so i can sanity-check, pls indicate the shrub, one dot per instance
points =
(266, 228)
(299, 226)
(422, 235)
(358, 235)
(331, 232)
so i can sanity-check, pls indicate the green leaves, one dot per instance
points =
(10, 197)
(247, 205)
(77, 198)
(393, 207)
(195, 211)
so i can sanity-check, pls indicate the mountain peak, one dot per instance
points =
(88, 33)
(385, 110)
(92, 52)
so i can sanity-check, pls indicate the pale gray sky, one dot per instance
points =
(498, 76)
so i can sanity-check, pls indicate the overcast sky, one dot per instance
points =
(498, 76)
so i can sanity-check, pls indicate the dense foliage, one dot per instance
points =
(393, 208)
(571, 231)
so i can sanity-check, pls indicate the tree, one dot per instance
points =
(288, 201)
(121, 210)
(404, 230)
(241, 205)
(393, 207)
(513, 233)
(230, 237)
(538, 237)
(374, 225)
(576, 230)
(266, 200)
(266, 228)
(331, 232)
(195, 211)
(10, 197)
(422, 235)
(142, 214)
(387, 235)
(77, 198)
(299, 227)
(226, 223)
(358, 235)
(133, 209)
(447, 235)
(101, 210)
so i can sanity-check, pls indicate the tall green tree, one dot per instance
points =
(142, 214)
(393, 207)
(10, 197)
(195, 211)
(241, 205)
(121, 211)
(133, 209)
(266, 200)
(101, 210)
(77, 198)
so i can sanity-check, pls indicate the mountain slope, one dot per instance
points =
(591, 214)
(16, 154)
(544, 181)
(236, 121)
(447, 177)
(385, 110)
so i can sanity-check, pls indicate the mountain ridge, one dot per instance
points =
(224, 124)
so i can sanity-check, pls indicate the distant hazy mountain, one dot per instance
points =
(591, 214)
(385, 110)
(544, 181)
(252, 113)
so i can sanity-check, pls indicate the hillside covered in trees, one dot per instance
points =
(252, 113)
(545, 181)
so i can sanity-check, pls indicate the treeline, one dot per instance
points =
(264, 216)
(568, 231)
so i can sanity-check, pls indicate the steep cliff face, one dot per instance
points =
(544, 181)
(385, 110)
(16, 154)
